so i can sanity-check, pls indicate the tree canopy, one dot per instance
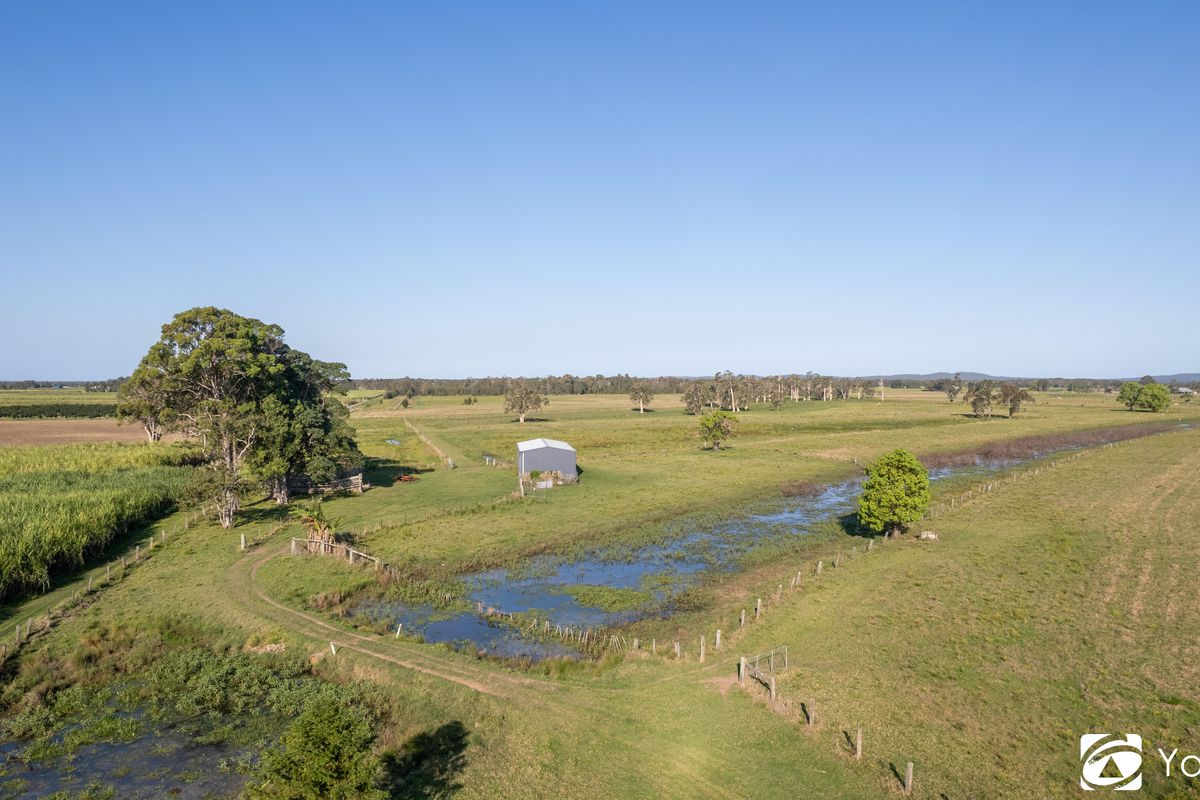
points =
(896, 493)
(252, 401)
(642, 394)
(327, 752)
(522, 400)
(716, 427)
(1144, 396)
(1014, 397)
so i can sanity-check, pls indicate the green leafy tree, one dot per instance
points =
(325, 754)
(1014, 397)
(232, 383)
(1147, 380)
(694, 398)
(642, 395)
(981, 395)
(1128, 396)
(144, 399)
(896, 493)
(716, 427)
(523, 400)
(953, 388)
(1154, 397)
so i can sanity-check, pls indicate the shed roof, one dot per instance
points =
(537, 444)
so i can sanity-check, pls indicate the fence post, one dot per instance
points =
(812, 714)
(654, 647)
(90, 583)
(742, 670)
(742, 621)
(678, 652)
(908, 778)
(771, 687)
(701, 648)
(243, 542)
(137, 552)
(399, 627)
(334, 649)
(293, 545)
(108, 571)
(870, 544)
(758, 608)
(837, 560)
(820, 565)
(718, 642)
(858, 745)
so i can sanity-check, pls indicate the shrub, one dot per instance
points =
(896, 493)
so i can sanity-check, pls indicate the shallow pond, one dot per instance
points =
(565, 592)
(157, 765)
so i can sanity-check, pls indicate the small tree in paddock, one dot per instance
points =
(1128, 396)
(981, 396)
(716, 427)
(693, 399)
(641, 394)
(522, 401)
(896, 493)
(953, 388)
(1154, 397)
(1014, 397)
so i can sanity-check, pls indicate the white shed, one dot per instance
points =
(546, 455)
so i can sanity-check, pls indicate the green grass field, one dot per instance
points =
(1060, 602)
(49, 403)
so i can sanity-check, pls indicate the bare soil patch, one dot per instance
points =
(66, 431)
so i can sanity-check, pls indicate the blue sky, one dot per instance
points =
(453, 189)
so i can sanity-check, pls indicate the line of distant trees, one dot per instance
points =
(750, 388)
(109, 385)
(810, 385)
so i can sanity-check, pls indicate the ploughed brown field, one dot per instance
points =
(65, 431)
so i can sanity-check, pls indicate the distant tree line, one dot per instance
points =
(109, 385)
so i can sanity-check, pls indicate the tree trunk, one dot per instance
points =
(521, 416)
(641, 407)
(228, 507)
(280, 491)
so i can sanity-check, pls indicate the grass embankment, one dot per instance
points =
(61, 504)
(1054, 605)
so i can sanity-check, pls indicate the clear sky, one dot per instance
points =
(452, 189)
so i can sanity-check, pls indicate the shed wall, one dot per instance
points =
(547, 459)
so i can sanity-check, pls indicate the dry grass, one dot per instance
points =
(1036, 445)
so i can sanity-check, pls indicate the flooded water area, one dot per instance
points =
(154, 765)
(611, 587)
